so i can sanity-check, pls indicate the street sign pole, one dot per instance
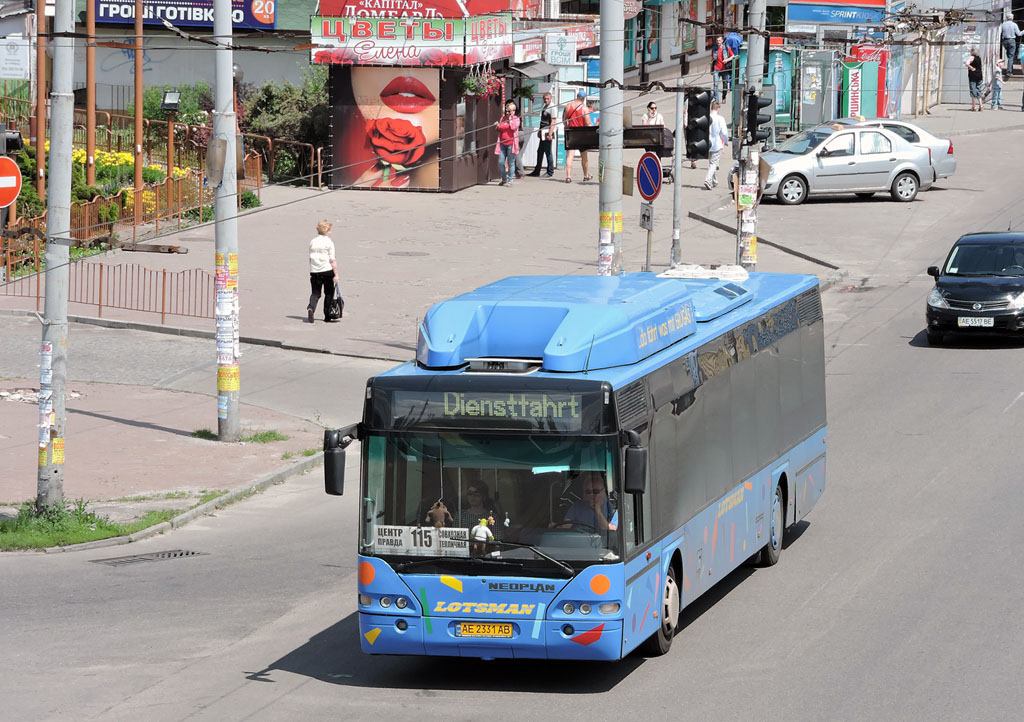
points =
(648, 182)
(647, 221)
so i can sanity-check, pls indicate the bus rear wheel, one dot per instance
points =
(773, 549)
(661, 641)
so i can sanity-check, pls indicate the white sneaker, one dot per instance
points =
(707, 186)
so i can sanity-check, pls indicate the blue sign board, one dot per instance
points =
(834, 14)
(648, 176)
(255, 14)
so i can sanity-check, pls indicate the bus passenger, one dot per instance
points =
(594, 512)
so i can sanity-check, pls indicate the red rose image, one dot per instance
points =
(396, 141)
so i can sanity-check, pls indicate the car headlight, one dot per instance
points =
(771, 172)
(935, 299)
(1017, 301)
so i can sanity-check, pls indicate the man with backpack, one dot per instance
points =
(721, 64)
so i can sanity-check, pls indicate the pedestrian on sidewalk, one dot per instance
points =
(548, 120)
(323, 270)
(575, 115)
(974, 79)
(997, 85)
(719, 135)
(1008, 34)
(652, 116)
(508, 143)
(722, 65)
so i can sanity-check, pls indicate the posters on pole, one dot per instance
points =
(14, 58)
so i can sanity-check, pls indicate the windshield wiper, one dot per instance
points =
(557, 562)
(405, 566)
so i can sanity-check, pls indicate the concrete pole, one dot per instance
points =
(677, 173)
(138, 108)
(746, 221)
(40, 141)
(53, 351)
(226, 231)
(609, 170)
(90, 93)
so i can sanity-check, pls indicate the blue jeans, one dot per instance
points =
(544, 151)
(1010, 48)
(997, 95)
(507, 161)
(725, 78)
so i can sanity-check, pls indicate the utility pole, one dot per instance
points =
(609, 248)
(746, 218)
(53, 351)
(137, 195)
(677, 174)
(40, 140)
(226, 230)
(90, 93)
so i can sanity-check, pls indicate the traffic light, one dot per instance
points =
(698, 123)
(754, 134)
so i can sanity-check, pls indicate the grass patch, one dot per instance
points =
(287, 455)
(206, 496)
(265, 437)
(61, 525)
(154, 497)
(204, 434)
(304, 452)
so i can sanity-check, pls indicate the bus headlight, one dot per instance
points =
(401, 602)
(584, 608)
(568, 608)
(609, 608)
(385, 602)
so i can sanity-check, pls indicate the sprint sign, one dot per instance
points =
(10, 181)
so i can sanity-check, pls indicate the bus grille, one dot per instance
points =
(631, 404)
(808, 306)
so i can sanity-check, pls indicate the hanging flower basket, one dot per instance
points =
(485, 85)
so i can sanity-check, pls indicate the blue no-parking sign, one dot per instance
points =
(648, 176)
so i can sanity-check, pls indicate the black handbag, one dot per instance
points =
(337, 306)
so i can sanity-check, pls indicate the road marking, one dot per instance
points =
(1014, 401)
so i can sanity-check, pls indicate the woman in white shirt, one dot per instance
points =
(323, 270)
(652, 116)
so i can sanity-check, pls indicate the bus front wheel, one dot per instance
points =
(773, 549)
(661, 641)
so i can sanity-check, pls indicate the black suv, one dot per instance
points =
(979, 289)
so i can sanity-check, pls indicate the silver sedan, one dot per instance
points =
(837, 158)
(943, 157)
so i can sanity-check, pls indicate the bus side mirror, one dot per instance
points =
(636, 469)
(335, 441)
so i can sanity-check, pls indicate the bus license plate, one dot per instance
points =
(485, 629)
(975, 321)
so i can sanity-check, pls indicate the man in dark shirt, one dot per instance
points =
(546, 129)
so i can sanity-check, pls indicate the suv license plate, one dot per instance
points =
(485, 629)
(984, 321)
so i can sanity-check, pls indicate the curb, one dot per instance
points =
(197, 333)
(209, 507)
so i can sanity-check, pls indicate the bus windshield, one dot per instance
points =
(490, 504)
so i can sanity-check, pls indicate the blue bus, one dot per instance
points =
(571, 460)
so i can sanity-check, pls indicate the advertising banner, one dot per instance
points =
(876, 54)
(780, 74)
(529, 50)
(385, 127)
(559, 49)
(427, 8)
(412, 41)
(860, 89)
(835, 14)
(256, 14)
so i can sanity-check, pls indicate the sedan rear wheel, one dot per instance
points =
(793, 190)
(904, 188)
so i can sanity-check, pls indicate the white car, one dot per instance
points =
(943, 158)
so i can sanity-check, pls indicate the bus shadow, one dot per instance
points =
(334, 656)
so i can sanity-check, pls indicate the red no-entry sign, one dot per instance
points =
(10, 181)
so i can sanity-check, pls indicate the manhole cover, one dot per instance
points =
(408, 253)
(151, 557)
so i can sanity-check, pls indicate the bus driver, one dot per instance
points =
(594, 511)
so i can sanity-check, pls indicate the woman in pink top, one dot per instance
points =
(508, 143)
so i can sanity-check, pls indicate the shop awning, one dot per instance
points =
(536, 69)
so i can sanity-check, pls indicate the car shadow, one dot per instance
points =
(963, 341)
(334, 656)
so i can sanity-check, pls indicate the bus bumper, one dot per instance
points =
(531, 639)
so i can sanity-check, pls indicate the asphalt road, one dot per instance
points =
(897, 599)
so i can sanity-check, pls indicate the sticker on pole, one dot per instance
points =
(10, 181)
(648, 176)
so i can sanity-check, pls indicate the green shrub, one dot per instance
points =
(250, 200)
(152, 175)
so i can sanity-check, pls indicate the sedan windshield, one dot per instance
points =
(805, 140)
(971, 259)
(490, 503)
